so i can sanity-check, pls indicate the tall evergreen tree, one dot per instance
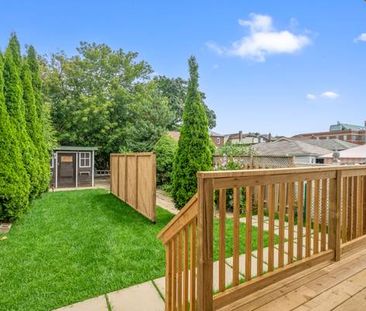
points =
(46, 139)
(14, 47)
(32, 126)
(194, 147)
(15, 107)
(14, 188)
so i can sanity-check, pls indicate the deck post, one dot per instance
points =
(335, 192)
(205, 244)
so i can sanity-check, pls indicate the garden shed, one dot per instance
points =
(72, 167)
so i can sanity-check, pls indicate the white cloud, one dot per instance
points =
(311, 96)
(263, 40)
(361, 37)
(329, 95)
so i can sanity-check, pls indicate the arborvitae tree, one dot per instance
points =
(14, 47)
(15, 108)
(194, 147)
(14, 188)
(46, 138)
(32, 125)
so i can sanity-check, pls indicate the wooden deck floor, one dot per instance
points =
(337, 286)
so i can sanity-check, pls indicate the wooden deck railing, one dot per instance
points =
(294, 218)
(179, 238)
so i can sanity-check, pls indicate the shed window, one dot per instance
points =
(84, 159)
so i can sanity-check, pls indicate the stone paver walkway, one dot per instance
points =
(165, 201)
(149, 296)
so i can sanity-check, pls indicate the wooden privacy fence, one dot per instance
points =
(321, 212)
(133, 180)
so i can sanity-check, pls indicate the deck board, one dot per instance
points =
(336, 286)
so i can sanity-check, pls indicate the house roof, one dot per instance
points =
(289, 148)
(175, 134)
(212, 133)
(344, 126)
(330, 144)
(358, 152)
(75, 148)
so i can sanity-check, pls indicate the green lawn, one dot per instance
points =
(76, 245)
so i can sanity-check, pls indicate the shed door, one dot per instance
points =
(66, 176)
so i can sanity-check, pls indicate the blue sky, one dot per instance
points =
(283, 67)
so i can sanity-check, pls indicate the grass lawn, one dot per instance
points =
(76, 245)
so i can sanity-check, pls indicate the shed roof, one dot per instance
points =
(358, 152)
(289, 148)
(75, 148)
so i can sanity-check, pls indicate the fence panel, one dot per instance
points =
(133, 180)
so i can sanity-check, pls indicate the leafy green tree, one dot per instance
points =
(165, 150)
(42, 133)
(194, 147)
(175, 90)
(98, 99)
(149, 118)
(14, 184)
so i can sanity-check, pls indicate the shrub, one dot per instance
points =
(194, 147)
(165, 150)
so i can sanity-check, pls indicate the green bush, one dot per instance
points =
(194, 147)
(165, 150)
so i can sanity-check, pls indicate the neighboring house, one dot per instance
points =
(302, 152)
(72, 167)
(330, 144)
(355, 155)
(247, 138)
(347, 132)
(217, 139)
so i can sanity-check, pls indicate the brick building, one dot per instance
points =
(355, 134)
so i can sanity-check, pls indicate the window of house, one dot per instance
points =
(84, 159)
(218, 140)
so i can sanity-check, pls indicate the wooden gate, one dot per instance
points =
(133, 180)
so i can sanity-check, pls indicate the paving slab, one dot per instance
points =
(160, 284)
(93, 304)
(5, 227)
(228, 276)
(142, 297)
(242, 265)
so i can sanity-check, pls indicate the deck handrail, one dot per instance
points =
(313, 214)
(184, 217)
